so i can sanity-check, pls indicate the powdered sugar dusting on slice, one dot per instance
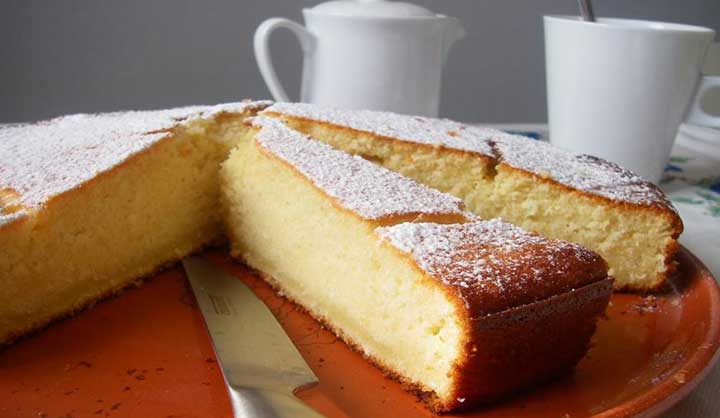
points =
(588, 174)
(358, 185)
(582, 172)
(45, 159)
(495, 262)
(422, 130)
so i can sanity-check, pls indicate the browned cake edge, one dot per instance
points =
(521, 347)
(517, 347)
(505, 352)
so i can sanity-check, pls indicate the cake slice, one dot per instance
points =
(461, 311)
(578, 198)
(92, 203)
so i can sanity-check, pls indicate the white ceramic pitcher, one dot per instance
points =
(366, 54)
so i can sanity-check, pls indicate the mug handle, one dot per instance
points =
(697, 115)
(261, 44)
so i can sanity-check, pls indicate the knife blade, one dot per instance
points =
(259, 362)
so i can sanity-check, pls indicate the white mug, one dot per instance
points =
(619, 88)
(366, 55)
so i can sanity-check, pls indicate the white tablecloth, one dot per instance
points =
(692, 181)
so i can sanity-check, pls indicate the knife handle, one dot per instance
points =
(260, 403)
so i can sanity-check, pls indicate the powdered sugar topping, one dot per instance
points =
(422, 130)
(588, 174)
(358, 185)
(44, 159)
(493, 261)
(582, 172)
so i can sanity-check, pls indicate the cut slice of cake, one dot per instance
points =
(461, 311)
(91, 203)
(578, 198)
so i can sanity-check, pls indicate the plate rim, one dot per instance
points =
(667, 394)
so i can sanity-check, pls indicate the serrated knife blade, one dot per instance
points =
(260, 365)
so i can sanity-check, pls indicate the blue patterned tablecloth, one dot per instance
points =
(692, 180)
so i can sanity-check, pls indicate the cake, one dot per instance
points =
(92, 203)
(578, 198)
(460, 310)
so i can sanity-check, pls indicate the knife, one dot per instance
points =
(260, 364)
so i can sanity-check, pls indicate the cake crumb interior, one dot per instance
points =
(333, 261)
(75, 242)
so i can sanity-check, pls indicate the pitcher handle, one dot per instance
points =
(262, 51)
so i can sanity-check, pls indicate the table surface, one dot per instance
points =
(692, 181)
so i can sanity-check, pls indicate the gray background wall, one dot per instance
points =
(70, 56)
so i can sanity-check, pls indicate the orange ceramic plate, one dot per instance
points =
(147, 354)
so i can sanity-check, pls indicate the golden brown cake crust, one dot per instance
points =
(502, 350)
(523, 297)
(526, 345)
(492, 265)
